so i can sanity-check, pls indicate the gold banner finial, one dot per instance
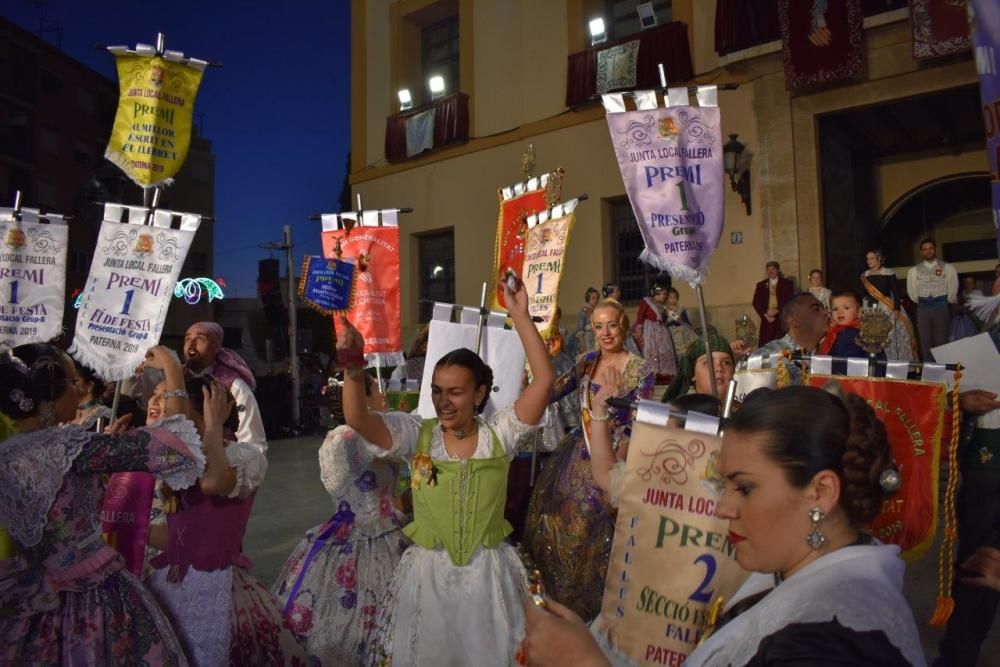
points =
(528, 162)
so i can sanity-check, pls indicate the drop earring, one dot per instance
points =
(816, 539)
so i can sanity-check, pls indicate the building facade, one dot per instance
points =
(56, 116)
(833, 171)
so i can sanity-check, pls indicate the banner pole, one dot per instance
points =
(293, 328)
(378, 371)
(114, 403)
(705, 337)
(534, 459)
(482, 318)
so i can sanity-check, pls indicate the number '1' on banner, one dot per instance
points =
(132, 277)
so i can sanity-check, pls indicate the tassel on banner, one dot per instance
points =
(656, 413)
(32, 215)
(945, 603)
(444, 312)
(554, 213)
(161, 218)
(378, 217)
(533, 184)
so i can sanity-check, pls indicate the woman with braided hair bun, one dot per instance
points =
(804, 470)
(65, 595)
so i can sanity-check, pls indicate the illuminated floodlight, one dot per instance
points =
(436, 84)
(597, 33)
(405, 99)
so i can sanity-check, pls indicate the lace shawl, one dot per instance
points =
(860, 586)
(32, 468)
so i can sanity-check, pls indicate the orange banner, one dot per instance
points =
(512, 233)
(913, 415)
(375, 308)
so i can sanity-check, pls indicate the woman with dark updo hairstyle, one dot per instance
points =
(90, 388)
(65, 596)
(805, 470)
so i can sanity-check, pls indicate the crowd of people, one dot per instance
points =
(415, 565)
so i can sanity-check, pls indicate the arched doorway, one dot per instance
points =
(954, 210)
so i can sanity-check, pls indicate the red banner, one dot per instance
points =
(375, 307)
(512, 233)
(913, 415)
(940, 28)
(128, 498)
(821, 42)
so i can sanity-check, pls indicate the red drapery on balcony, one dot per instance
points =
(667, 44)
(451, 125)
(740, 24)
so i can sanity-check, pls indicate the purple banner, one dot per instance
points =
(128, 498)
(671, 163)
(985, 16)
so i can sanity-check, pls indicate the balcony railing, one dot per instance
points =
(666, 44)
(449, 117)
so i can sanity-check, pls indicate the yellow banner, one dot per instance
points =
(541, 273)
(152, 130)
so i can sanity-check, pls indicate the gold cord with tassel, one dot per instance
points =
(945, 603)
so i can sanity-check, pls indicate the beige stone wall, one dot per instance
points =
(519, 53)
(897, 177)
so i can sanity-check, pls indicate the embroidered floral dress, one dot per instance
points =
(681, 332)
(654, 338)
(222, 614)
(88, 414)
(436, 612)
(65, 597)
(570, 525)
(880, 285)
(332, 582)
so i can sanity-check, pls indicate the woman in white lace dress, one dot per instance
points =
(457, 596)
(221, 613)
(332, 582)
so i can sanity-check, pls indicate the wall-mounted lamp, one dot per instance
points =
(405, 99)
(647, 15)
(436, 84)
(597, 33)
(739, 173)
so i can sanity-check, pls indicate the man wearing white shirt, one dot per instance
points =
(204, 355)
(932, 285)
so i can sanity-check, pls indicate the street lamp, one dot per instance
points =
(739, 173)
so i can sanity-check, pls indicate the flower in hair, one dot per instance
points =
(23, 401)
(8, 354)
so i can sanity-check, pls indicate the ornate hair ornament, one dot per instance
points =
(890, 480)
(23, 401)
(7, 355)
